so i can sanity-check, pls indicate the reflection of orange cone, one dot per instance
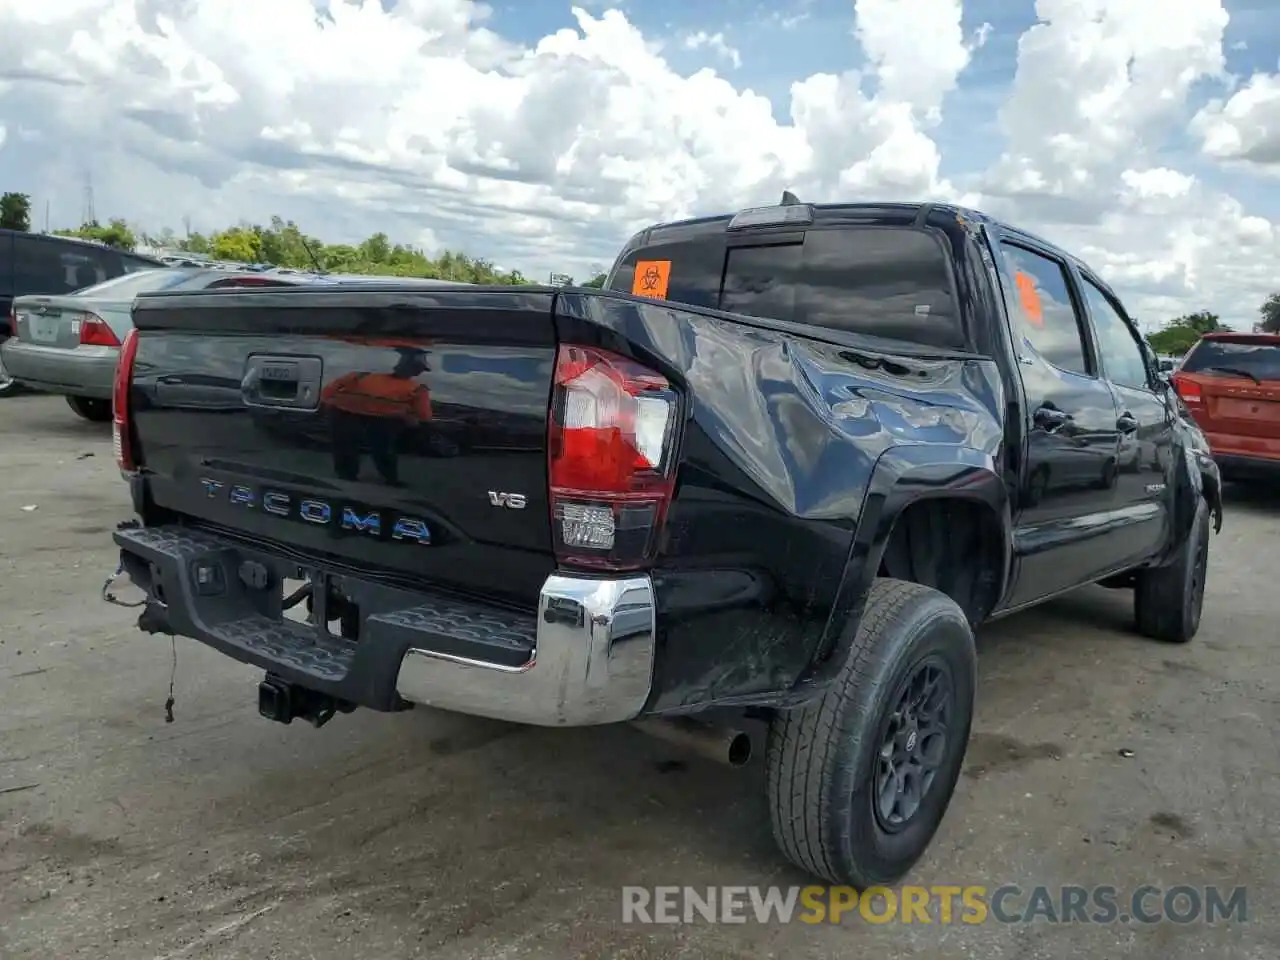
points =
(379, 395)
(1030, 298)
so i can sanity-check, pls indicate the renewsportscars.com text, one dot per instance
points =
(1009, 903)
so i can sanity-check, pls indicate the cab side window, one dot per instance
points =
(36, 267)
(47, 265)
(1123, 360)
(1038, 298)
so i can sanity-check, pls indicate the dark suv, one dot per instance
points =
(40, 263)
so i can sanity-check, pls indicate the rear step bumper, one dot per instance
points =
(586, 658)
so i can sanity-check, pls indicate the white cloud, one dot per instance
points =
(716, 43)
(1246, 127)
(1099, 86)
(917, 49)
(428, 122)
(1100, 92)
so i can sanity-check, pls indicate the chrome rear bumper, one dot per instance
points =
(586, 657)
(592, 663)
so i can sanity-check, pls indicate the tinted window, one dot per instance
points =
(134, 264)
(43, 265)
(762, 281)
(694, 277)
(1123, 358)
(890, 282)
(6, 264)
(1038, 298)
(1228, 358)
(882, 281)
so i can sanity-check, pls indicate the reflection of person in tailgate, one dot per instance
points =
(371, 411)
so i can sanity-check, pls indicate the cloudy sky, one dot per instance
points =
(1144, 135)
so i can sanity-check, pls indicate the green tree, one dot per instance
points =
(1180, 334)
(1270, 311)
(241, 244)
(116, 234)
(597, 281)
(377, 249)
(15, 211)
(284, 244)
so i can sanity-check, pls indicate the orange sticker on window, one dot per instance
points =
(651, 279)
(1030, 298)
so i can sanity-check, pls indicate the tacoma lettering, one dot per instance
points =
(345, 517)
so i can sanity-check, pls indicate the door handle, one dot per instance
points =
(1127, 423)
(271, 381)
(1050, 418)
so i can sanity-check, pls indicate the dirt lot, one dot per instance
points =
(1097, 758)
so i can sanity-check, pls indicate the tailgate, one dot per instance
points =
(401, 432)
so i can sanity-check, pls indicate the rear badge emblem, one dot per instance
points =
(511, 501)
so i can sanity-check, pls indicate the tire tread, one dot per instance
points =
(802, 741)
(1160, 593)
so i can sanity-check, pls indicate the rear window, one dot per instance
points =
(134, 264)
(1252, 360)
(129, 285)
(882, 281)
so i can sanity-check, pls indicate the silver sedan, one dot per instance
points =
(68, 344)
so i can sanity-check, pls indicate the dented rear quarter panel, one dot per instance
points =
(789, 434)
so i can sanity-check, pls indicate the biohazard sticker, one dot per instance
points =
(651, 279)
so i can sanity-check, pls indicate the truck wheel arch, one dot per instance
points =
(911, 489)
(1195, 478)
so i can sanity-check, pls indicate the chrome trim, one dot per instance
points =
(592, 663)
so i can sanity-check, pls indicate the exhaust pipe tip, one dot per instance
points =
(726, 745)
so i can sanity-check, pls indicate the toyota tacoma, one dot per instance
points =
(782, 466)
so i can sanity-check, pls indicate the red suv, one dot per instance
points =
(1231, 384)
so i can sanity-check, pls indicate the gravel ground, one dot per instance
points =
(1097, 758)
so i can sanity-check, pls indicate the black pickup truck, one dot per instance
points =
(781, 467)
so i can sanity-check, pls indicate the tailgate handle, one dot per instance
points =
(291, 382)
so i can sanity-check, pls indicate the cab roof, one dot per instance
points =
(857, 213)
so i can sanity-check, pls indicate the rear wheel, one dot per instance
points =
(859, 779)
(1167, 600)
(91, 408)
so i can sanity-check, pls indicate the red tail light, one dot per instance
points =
(1187, 389)
(121, 414)
(94, 332)
(249, 281)
(611, 458)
